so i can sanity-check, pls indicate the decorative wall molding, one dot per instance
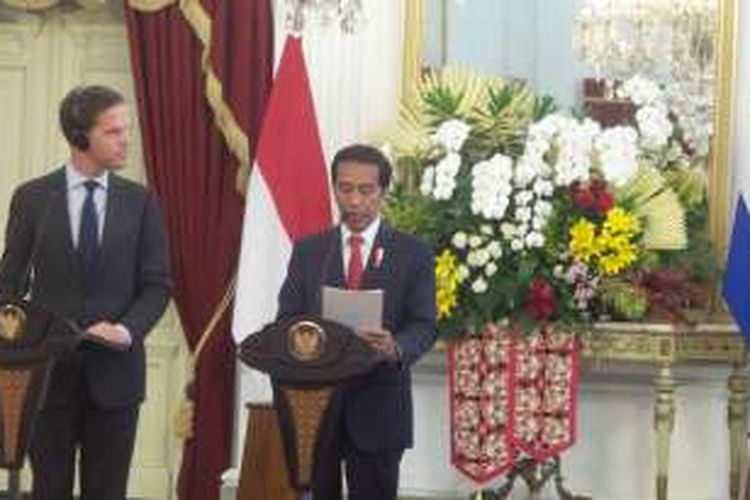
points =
(13, 46)
(40, 5)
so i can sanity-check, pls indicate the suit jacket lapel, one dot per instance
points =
(115, 211)
(334, 267)
(59, 219)
(376, 271)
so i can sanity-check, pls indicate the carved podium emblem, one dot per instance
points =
(12, 322)
(306, 340)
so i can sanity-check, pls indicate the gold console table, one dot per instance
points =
(666, 346)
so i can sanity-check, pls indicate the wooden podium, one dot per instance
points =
(30, 339)
(308, 359)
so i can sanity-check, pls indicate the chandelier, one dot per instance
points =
(348, 13)
(665, 40)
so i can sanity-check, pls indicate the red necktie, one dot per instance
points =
(354, 270)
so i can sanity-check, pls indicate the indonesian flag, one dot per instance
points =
(288, 198)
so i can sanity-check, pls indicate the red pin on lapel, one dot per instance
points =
(379, 254)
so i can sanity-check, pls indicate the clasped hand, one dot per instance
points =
(380, 340)
(110, 332)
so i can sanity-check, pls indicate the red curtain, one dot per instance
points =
(190, 167)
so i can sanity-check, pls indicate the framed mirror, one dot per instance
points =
(578, 51)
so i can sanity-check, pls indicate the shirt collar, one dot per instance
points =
(74, 178)
(368, 234)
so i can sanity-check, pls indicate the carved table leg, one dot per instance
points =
(664, 413)
(737, 421)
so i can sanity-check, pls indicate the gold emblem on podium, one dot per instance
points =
(12, 322)
(306, 340)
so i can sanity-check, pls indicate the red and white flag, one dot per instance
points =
(288, 197)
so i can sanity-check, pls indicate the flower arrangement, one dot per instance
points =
(537, 216)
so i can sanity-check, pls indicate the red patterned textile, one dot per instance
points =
(480, 380)
(546, 388)
(510, 395)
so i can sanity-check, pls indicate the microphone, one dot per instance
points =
(36, 246)
(325, 267)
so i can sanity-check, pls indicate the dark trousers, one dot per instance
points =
(105, 438)
(369, 475)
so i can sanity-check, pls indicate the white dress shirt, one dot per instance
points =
(76, 195)
(368, 237)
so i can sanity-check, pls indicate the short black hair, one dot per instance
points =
(80, 109)
(363, 153)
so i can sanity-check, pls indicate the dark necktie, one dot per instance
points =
(88, 234)
(355, 268)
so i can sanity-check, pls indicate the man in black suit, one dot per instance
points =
(363, 252)
(89, 246)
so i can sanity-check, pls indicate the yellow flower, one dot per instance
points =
(614, 246)
(614, 263)
(621, 221)
(447, 279)
(582, 240)
(616, 252)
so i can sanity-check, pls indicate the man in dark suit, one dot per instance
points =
(89, 246)
(363, 252)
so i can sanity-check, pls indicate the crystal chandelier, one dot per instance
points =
(665, 40)
(348, 13)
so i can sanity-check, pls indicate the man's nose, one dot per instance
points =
(354, 198)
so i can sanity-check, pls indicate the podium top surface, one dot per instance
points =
(308, 350)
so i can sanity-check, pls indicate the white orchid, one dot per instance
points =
(543, 187)
(495, 249)
(452, 134)
(543, 208)
(463, 272)
(449, 165)
(538, 223)
(460, 240)
(483, 257)
(472, 259)
(654, 125)
(524, 197)
(618, 153)
(491, 186)
(479, 285)
(535, 239)
(490, 269)
(508, 230)
(444, 187)
(571, 140)
(475, 241)
(640, 90)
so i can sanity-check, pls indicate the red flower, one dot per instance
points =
(540, 302)
(592, 198)
(604, 202)
(583, 199)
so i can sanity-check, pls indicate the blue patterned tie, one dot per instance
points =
(88, 234)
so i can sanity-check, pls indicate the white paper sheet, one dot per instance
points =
(353, 308)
